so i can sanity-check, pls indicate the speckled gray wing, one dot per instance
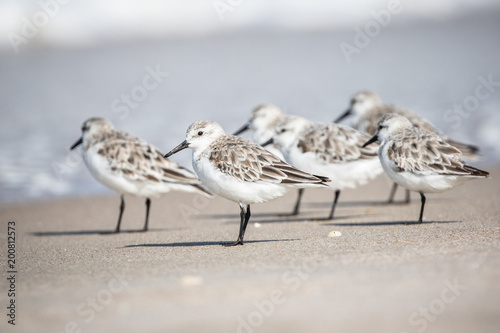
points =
(422, 152)
(246, 161)
(334, 143)
(140, 161)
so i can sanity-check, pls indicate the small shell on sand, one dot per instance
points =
(334, 234)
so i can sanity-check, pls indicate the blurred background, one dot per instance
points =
(153, 67)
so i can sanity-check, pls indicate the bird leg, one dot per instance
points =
(148, 204)
(393, 193)
(245, 217)
(122, 208)
(337, 194)
(422, 196)
(297, 204)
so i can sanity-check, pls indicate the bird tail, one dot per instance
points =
(324, 180)
(476, 172)
(202, 190)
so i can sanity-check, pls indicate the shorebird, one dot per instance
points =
(366, 109)
(240, 170)
(419, 160)
(130, 165)
(262, 121)
(330, 149)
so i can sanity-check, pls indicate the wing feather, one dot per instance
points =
(333, 143)
(249, 162)
(140, 161)
(423, 152)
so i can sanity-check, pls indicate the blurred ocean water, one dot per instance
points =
(94, 22)
(155, 87)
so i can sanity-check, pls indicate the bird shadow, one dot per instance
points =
(323, 204)
(306, 219)
(275, 218)
(375, 224)
(96, 232)
(357, 203)
(231, 216)
(220, 243)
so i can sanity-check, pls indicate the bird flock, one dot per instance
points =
(287, 152)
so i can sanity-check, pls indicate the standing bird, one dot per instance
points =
(366, 109)
(329, 149)
(240, 170)
(420, 160)
(130, 165)
(262, 122)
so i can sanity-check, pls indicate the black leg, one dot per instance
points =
(422, 196)
(393, 193)
(297, 204)
(122, 208)
(332, 212)
(148, 204)
(407, 199)
(245, 217)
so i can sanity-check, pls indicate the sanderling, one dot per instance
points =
(420, 160)
(262, 122)
(330, 149)
(240, 170)
(130, 165)
(366, 109)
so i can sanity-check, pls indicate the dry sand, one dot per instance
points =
(380, 275)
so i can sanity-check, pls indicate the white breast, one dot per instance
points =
(342, 175)
(235, 189)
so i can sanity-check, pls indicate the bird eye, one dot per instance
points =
(200, 133)
(283, 130)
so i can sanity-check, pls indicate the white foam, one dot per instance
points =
(90, 22)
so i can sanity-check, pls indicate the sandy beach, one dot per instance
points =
(380, 275)
(152, 68)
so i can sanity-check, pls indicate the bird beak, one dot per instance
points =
(346, 114)
(77, 143)
(268, 142)
(372, 140)
(184, 144)
(243, 129)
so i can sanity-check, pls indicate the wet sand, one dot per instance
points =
(381, 275)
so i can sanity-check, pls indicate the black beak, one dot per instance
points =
(346, 114)
(184, 144)
(268, 142)
(372, 140)
(243, 129)
(76, 144)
